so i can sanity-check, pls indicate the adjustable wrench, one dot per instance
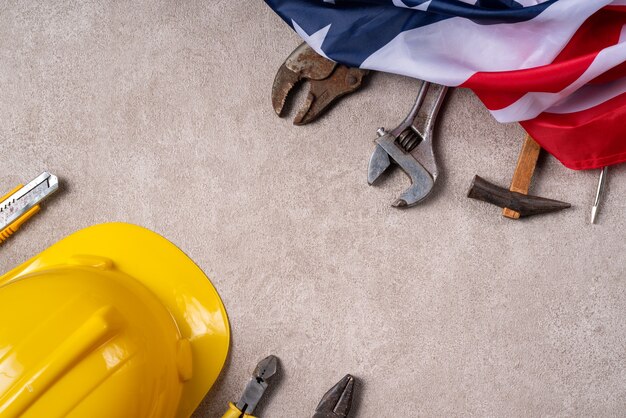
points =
(397, 145)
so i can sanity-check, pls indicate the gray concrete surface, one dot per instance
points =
(158, 113)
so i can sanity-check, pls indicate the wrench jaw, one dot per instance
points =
(425, 155)
(388, 150)
(416, 193)
(379, 163)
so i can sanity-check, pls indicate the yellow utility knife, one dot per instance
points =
(254, 390)
(21, 203)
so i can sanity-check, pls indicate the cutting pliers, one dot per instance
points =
(336, 403)
(254, 390)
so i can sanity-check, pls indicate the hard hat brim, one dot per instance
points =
(173, 277)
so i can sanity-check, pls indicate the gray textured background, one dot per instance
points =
(158, 113)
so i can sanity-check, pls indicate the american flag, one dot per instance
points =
(556, 66)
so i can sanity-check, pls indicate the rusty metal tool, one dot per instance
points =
(254, 390)
(398, 146)
(516, 202)
(21, 203)
(336, 403)
(599, 193)
(327, 79)
(524, 204)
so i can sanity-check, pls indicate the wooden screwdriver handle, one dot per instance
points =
(524, 171)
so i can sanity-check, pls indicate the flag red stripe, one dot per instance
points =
(501, 89)
(596, 133)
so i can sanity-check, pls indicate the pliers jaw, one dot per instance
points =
(254, 390)
(328, 81)
(336, 403)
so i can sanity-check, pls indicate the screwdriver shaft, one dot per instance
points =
(599, 193)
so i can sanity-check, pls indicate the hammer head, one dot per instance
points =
(525, 205)
(387, 150)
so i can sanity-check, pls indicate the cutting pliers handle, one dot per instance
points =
(234, 412)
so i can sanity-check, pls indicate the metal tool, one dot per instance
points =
(328, 81)
(336, 403)
(599, 193)
(254, 390)
(524, 204)
(21, 203)
(516, 202)
(398, 144)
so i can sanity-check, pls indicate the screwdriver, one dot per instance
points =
(599, 193)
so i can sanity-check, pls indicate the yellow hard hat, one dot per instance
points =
(112, 321)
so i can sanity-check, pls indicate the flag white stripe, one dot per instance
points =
(452, 50)
(423, 6)
(534, 103)
(527, 3)
(590, 96)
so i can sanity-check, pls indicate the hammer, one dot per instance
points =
(516, 202)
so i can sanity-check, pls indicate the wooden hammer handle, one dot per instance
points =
(523, 175)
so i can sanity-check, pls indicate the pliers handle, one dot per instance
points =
(234, 412)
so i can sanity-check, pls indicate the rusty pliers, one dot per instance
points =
(328, 81)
